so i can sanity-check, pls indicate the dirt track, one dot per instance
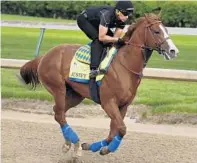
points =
(34, 138)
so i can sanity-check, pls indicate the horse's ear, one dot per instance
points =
(146, 15)
(160, 12)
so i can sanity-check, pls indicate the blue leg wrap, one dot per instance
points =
(114, 144)
(69, 134)
(94, 147)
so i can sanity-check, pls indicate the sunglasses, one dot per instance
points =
(126, 12)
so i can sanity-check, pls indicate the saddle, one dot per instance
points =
(80, 69)
(80, 65)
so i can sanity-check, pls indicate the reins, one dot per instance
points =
(144, 46)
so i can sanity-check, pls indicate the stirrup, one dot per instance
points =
(94, 73)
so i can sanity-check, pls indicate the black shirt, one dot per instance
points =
(104, 16)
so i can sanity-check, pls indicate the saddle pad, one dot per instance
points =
(80, 65)
(79, 71)
(83, 54)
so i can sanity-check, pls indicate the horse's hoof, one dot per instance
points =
(104, 151)
(78, 150)
(85, 146)
(66, 147)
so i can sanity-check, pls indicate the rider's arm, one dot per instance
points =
(103, 35)
(104, 27)
(118, 32)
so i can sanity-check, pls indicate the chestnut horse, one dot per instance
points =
(118, 87)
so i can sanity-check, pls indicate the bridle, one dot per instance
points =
(145, 46)
(157, 44)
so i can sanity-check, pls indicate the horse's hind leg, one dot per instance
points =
(56, 86)
(72, 99)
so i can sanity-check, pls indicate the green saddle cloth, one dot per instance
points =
(83, 54)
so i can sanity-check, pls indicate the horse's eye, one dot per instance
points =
(156, 32)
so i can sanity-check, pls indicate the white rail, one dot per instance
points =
(157, 73)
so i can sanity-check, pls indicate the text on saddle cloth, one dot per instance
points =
(80, 65)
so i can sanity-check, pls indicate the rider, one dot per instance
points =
(96, 22)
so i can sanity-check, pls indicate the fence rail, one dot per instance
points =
(156, 73)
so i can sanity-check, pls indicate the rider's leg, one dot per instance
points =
(96, 46)
(87, 27)
(96, 53)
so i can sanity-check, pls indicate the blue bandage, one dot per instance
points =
(114, 144)
(69, 134)
(94, 147)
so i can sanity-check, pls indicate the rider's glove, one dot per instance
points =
(120, 42)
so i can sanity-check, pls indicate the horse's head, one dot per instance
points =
(154, 35)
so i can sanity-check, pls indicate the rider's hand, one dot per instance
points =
(120, 42)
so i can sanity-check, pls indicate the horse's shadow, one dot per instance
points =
(70, 160)
(70, 157)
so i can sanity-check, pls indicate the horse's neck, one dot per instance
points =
(133, 57)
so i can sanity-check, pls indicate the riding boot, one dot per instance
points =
(96, 54)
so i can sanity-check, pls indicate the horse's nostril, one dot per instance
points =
(172, 51)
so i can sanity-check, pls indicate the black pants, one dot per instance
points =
(92, 32)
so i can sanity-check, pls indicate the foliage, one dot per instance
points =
(62, 9)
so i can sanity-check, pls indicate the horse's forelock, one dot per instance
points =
(150, 17)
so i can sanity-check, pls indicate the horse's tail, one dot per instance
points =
(29, 72)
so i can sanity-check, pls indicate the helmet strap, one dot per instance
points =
(118, 12)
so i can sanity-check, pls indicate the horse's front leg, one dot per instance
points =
(113, 128)
(113, 112)
(117, 131)
(96, 146)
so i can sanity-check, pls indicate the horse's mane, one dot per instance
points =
(150, 17)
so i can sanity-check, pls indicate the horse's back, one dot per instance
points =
(68, 49)
(58, 59)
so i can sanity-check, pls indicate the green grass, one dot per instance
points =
(20, 43)
(31, 18)
(168, 96)
(11, 87)
(161, 95)
(187, 59)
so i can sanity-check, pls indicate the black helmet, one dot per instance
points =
(125, 7)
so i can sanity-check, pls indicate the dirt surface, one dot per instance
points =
(138, 113)
(30, 135)
(80, 111)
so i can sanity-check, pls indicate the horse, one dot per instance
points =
(118, 87)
